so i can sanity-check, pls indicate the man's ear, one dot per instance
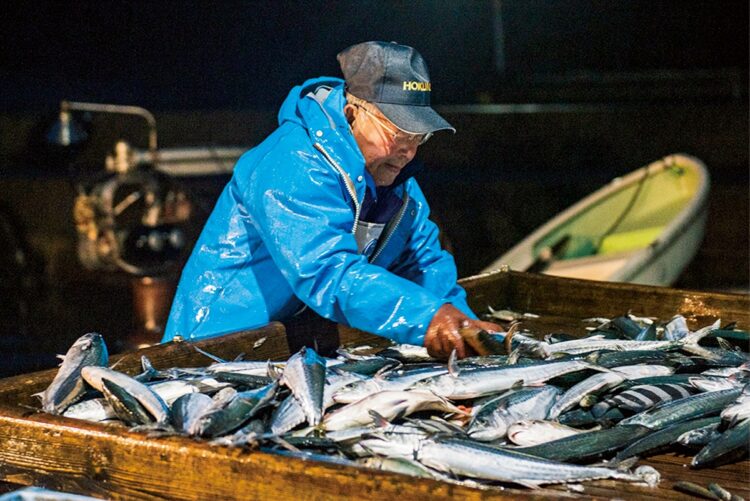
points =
(349, 113)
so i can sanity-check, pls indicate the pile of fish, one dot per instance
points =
(555, 410)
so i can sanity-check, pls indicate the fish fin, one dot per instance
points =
(508, 340)
(692, 338)
(624, 465)
(117, 362)
(724, 344)
(593, 357)
(514, 356)
(283, 443)
(61, 357)
(526, 483)
(274, 372)
(146, 364)
(209, 355)
(600, 368)
(521, 383)
(335, 371)
(379, 419)
(39, 395)
(599, 409)
(453, 368)
(387, 368)
(239, 358)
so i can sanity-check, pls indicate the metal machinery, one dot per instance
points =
(133, 217)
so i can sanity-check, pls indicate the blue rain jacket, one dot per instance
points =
(281, 236)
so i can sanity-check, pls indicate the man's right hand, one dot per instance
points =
(443, 334)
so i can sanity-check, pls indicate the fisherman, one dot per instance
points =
(325, 215)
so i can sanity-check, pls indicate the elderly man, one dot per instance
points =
(325, 215)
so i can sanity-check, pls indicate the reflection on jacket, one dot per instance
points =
(282, 236)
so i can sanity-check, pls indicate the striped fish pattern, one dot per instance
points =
(642, 397)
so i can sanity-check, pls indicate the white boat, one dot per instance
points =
(642, 228)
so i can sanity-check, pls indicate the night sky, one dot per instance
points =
(243, 54)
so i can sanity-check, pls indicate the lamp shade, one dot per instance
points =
(66, 131)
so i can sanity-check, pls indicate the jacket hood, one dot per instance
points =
(315, 102)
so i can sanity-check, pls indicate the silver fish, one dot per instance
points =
(604, 381)
(171, 390)
(67, 387)
(683, 409)
(538, 431)
(289, 413)
(463, 457)
(251, 367)
(492, 420)
(152, 402)
(93, 409)
(125, 405)
(699, 436)
(642, 397)
(401, 380)
(305, 376)
(388, 404)
(593, 343)
(238, 411)
(481, 382)
(188, 409)
(676, 328)
(739, 410)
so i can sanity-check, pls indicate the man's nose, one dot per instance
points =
(407, 149)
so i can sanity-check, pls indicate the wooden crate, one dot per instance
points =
(110, 462)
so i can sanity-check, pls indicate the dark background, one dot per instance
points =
(615, 85)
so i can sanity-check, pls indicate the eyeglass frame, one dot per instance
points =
(397, 135)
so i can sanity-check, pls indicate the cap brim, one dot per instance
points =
(414, 119)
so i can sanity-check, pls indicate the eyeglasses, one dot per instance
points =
(396, 134)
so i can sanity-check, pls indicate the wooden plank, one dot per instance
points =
(531, 292)
(112, 462)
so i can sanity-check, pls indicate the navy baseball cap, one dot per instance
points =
(395, 78)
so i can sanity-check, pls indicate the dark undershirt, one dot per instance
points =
(381, 207)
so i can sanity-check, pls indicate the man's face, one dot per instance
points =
(386, 149)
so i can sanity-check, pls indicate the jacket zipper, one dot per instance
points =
(399, 217)
(347, 181)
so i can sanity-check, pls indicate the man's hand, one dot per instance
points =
(443, 334)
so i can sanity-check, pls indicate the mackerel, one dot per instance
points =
(656, 441)
(695, 406)
(250, 367)
(289, 413)
(733, 443)
(150, 401)
(388, 404)
(187, 409)
(67, 387)
(241, 408)
(305, 376)
(604, 381)
(93, 409)
(594, 343)
(700, 436)
(537, 431)
(125, 405)
(466, 458)
(588, 445)
(642, 397)
(492, 420)
(395, 381)
(481, 382)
